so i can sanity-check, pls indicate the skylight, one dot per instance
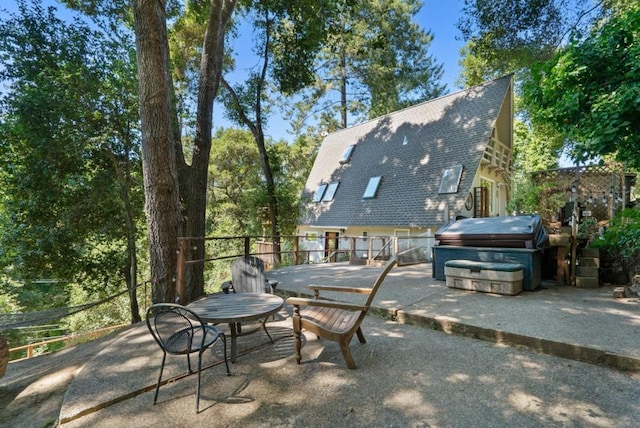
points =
(346, 156)
(331, 191)
(450, 179)
(372, 187)
(319, 193)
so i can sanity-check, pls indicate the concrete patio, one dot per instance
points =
(573, 360)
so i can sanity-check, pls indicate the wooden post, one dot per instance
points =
(247, 246)
(353, 255)
(182, 254)
(574, 241)
(296, 248)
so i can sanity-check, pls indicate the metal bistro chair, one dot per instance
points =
(179, 331)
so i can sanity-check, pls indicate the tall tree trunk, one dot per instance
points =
(258, 134)
(162, 203)
(343, 86)
(131, 273)
(271, 194)
(194, 178)
(123, 176)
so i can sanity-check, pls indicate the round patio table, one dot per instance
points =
(236, 308)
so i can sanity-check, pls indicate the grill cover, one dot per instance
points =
(523, 231)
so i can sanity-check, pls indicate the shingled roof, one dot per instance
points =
(410, 149)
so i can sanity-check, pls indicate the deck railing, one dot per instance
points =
(296, 249)
(66, 339)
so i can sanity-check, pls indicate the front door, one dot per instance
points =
(331, 246)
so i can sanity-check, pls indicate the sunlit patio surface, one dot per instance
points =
(557, 356)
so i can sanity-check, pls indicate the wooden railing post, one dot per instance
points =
(353, 256)
(247, 246)
(296, 248)
(182, 254)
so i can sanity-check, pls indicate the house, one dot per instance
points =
(407, 173)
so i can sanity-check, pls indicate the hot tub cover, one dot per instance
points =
(523, 231)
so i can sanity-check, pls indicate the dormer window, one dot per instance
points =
(346, 156)
(331, 192)
(317, 197)
(372, 187)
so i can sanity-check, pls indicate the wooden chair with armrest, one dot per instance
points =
(248, 276)
(334, 320)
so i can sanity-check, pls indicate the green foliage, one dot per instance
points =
(69, 137)
(590, 91)
(529, 198)
(622, 238)
(235, 179)
(474, 68)
(376, 60)
(46, 114)
(238, 203)
(506, 36)
(9, 302)
(534, 149)
(300, 29)
(113, 312)
(388, 61)
(533, 152)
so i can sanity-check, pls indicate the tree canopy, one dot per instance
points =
(504, 37)
(376, 60)
(590, 90)
(68, 135)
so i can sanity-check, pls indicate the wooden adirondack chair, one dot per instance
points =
(333, 320)
(248, 276)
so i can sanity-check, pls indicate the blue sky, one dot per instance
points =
(441, 16)
(438, 16)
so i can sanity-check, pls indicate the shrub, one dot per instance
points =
(622, 239)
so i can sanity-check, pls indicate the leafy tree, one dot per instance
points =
(235, 180)
(237, 195)
(163, 158)
(288, 35)
(176, 190)
(376, 60)
(503, 37)
(293, 162)
(532, 152)
(69, 138)
(237, 192)
(622, 241)
(590, 91)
